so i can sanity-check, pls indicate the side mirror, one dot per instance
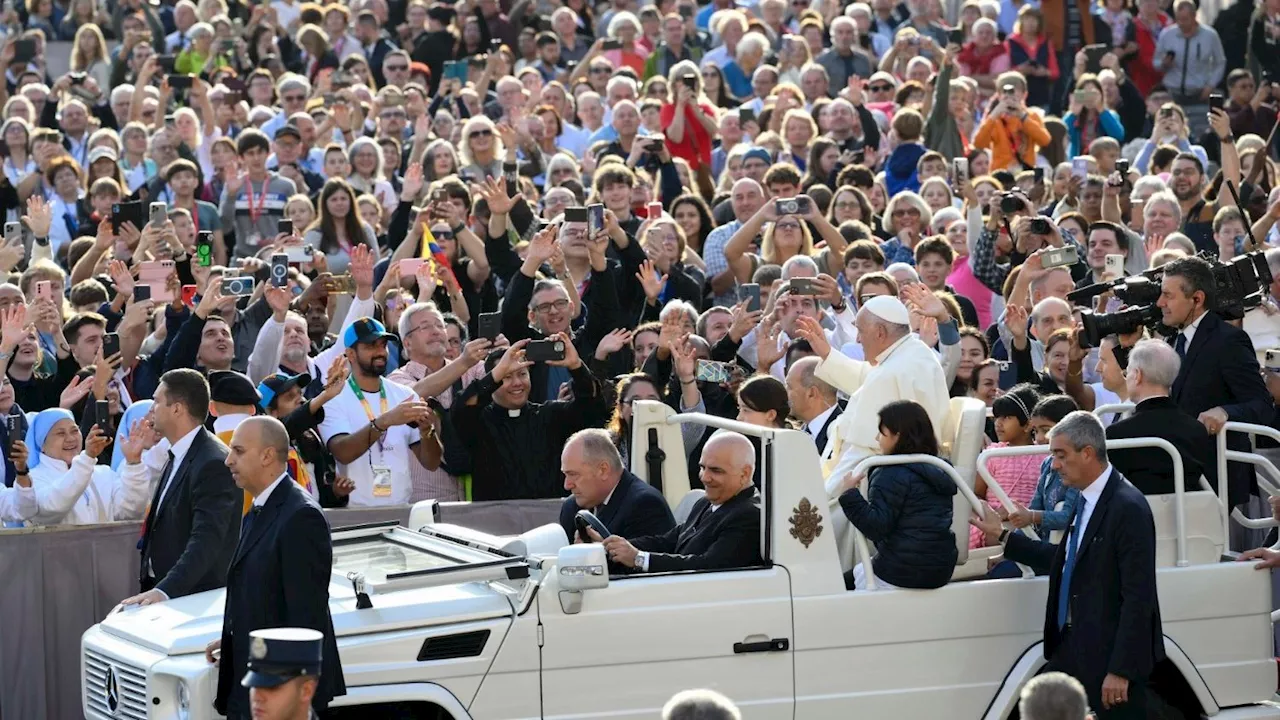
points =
(582, 567)
(424, 513)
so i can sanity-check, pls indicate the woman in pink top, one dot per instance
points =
(961, 277)
(1018, 474)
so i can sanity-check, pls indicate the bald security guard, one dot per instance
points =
(284, 673)
(279, 576)
(723, 529)
(596, 481)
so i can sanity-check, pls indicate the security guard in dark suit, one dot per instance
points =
(284, 672)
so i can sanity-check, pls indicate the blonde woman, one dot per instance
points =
(300, 210)
(689, 118)
(792, 57)
(89, 56)
(937, 194)
(783, 237)
(906, 217)
(482, 148)
(199, 139)
(440, 160)
(798, 132)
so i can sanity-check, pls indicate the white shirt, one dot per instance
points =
(814, 426)
(1088, 501)
(261, 499)
(344, 415)
(179, 451)
(1190, 331)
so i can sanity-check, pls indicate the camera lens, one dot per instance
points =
(1010, 203)
(1096, 327)
(1041, 226)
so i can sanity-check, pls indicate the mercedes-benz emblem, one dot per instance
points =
(113, 690)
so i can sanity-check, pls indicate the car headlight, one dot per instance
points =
(184, 700)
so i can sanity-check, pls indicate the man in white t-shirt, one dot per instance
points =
(371, 427)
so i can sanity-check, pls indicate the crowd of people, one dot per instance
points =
(435, 240)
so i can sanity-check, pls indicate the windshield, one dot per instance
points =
(389, 554)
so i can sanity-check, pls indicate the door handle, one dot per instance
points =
(774, 645)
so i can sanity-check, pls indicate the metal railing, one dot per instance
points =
(1179, 482)
(1225, 456)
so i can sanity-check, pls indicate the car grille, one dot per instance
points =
(113, 689)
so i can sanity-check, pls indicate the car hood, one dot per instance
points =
(188, 624)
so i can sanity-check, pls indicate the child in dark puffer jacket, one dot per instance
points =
(908, 511)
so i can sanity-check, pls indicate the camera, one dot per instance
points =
(1012, 202)
(1040, 226)
(792, 206)
(1239, 285)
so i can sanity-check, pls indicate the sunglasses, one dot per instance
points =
(443, 235)
(600, 71)
(482, 132)
(880, 88)
(395, 68)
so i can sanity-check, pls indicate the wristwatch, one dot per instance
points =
(642, 561)
(1004, 535)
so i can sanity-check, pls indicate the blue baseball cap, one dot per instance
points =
(758, 153)
(273, 385)
(365, 330)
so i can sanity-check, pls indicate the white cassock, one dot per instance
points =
(907, 370)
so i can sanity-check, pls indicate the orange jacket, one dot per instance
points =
(998, 134)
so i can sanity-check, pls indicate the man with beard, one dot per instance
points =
(1187, 183)
(514, 441)
(374, 425)
(288, 338)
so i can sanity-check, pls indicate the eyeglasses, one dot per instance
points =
(482, 132)
(394, 114)
(787, 226)
(600, 71)
(880, 87)
(395, 68)
(294, 98)
(560, 305)
(900, 212)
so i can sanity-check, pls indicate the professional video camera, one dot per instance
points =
(1239, 285)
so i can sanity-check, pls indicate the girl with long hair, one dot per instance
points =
(89, 55)
(338, 228)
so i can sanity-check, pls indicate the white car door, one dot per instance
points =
(639, 641)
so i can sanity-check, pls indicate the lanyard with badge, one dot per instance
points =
(381, 473)
(254, 238)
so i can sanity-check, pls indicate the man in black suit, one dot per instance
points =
(1102, 621)
(374, 45)
(279, 576)
(1153, 366)
(193, 521)
(596, 481)
(812, 400)
(1219, 378)
(723, 530)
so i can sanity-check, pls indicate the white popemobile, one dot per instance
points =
(438, 621)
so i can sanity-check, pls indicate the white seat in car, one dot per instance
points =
(964, 433)
(686, 504)
(1204, 528)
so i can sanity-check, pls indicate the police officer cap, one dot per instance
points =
(277, 655)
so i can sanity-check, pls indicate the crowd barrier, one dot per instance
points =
(57, 582)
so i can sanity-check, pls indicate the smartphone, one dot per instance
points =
(343, 284)
(141, 293)
(746, 115)
(12, 423)
(1039, 175)
(284, 226)
(110, 344)
(1060, 257)
(204, 248)
(13, 232)
(24, 51)
(279, 270)
(751, 293)
(544, 350)
(159, 214)
(654, 145)
(181, 82)
(690, 82)
(44, 290)
(1093, 57)
(595, 218)
(123, 212)
(655, 210)
(165, 63)
(1122, 167)
(170, 121)
(155, 273)
(712, 372)
(1217, 102)
(237, 286)
(1080, 168)
(611, 44)
(495, 45)
(955, 36)
(576, 215)
(189, 295)
(102, 415)
(1114, 265)
(962, 169)
(409, 267)
(490, 325)
(802, 286)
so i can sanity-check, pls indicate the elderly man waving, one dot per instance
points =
(899, 367)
